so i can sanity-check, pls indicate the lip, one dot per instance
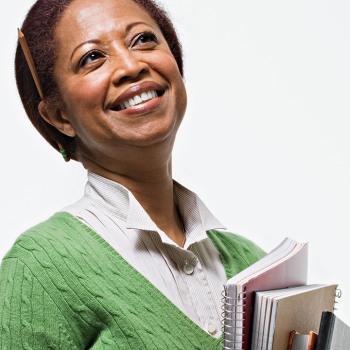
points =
(137, 90)
(143, 108)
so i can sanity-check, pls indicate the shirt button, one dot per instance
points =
(211, 328)
(188, 269)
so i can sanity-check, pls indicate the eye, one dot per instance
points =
(146, 38)
(90, 57)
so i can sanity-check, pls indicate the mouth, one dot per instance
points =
(137, 95)
(138, 99)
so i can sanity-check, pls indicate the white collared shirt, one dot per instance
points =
(192, 277)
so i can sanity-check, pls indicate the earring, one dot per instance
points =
(64, 153)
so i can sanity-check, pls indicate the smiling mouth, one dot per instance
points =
(138, 99)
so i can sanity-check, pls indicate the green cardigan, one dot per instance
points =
(63, 287)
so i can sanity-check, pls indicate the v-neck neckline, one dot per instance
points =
(207, 338)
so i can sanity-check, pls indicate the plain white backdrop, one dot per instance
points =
(265, 142)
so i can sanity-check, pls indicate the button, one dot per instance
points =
(188, 269)
(211, 328)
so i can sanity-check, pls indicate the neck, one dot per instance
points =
(154, 190)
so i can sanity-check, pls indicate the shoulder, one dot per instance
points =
(45, 271)
(37, 243)
(236, 252)
(236, 242)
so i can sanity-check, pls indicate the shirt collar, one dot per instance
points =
(116, 200)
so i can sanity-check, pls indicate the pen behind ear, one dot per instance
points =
(28, 56)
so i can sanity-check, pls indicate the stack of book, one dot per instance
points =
(268, 306)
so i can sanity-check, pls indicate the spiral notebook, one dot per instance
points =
(286, 266)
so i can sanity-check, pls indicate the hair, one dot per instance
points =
(39, 29)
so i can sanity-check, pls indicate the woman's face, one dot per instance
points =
(119, 82)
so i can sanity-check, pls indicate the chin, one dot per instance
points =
(151, 133)
(154, 136)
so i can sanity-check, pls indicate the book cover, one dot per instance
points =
(334, 334)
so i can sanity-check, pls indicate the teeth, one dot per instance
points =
(144, 96)
(137, 99)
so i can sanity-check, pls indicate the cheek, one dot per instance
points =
(84, 99)
(87, 92)
(165, 64)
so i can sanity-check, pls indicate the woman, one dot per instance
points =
(137, 263)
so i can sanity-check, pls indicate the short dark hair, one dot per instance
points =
(39, 29)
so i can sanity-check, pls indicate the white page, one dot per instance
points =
(300, 342)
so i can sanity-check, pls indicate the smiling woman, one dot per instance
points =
(138, 262)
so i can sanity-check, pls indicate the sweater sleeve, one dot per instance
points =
(29, 318)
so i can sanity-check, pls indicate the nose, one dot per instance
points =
(128, 66)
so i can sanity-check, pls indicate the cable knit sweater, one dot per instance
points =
(63, 287)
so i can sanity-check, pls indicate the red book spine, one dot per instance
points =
(312, 341)
(291, 338)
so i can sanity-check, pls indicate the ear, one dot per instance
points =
(57, 118)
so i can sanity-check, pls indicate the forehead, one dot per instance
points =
(86, 18)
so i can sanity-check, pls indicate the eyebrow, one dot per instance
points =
(93, 41)
(131, 25)
(97, 41)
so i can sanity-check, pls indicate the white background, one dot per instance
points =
(265, 142)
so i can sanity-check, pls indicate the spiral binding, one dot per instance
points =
(337, 294)
(228, 329)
